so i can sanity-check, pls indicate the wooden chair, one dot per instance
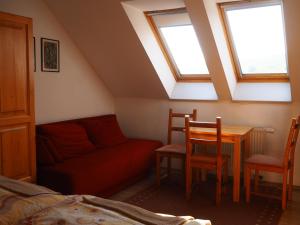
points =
(206, 161)
(172, 150)
(284, 166)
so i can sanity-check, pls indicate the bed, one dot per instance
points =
(24, 203)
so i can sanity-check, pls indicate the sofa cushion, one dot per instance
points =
(45, 147)
(100, 172)
(69, 139)
(44, 156)
(104, 131)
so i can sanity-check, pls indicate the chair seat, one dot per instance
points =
(174, 148)
(207, 157)
(264, 160)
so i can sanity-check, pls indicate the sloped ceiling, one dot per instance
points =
(105, 36)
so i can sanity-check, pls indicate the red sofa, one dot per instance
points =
(90, 156)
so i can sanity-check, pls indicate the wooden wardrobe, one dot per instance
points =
(17, 124)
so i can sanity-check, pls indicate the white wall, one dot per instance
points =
(148, 118)
(107, 39)
(76, 91)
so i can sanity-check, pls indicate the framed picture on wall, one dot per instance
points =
(50, 55)
(34, 55)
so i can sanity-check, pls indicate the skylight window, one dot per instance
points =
(179, 43)
(184, 47)
(256, 35)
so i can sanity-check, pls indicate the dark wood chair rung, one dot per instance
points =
(203, 124)
(182, 115)
(202, 141)
(180, 129)
(266, 195)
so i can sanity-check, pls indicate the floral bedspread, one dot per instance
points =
(27, 204)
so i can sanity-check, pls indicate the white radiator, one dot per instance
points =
(258, 143)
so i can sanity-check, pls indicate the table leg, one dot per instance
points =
(246, 153)
(157, 169)
(236, 169)
(169, 166)
(247, 146)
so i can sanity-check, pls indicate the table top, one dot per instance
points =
(226, 130)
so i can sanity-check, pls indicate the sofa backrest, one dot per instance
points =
(63, 140)
(39, 126)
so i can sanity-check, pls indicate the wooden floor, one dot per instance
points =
(291, 215)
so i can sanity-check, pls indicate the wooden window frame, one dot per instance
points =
(268, 77)
(168, 56)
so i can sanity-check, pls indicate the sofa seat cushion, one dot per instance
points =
(99, 171)
(104, 131)
(69, 139)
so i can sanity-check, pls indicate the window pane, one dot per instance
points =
(258, 37)
(184, 47)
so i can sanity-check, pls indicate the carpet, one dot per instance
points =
(169, 198)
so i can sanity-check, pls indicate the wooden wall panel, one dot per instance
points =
(14, 74)
(15, 150)
(17, 123)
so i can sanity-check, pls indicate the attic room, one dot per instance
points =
(149, 112)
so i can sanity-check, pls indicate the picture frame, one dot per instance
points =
(50, 56)
(34, 55)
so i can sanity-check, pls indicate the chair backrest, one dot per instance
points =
(291, 142)
(217, 140)
(172, 128)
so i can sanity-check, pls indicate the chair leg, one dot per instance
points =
(203, 175)
(183, 168)
(291, 180)
(256, 180)
(245, 176)
(225, 177)
(219, 185)
(284, 189)
(169, 166)
(247, 182)
(188, 182)
(204, 171)
(157, 169)
(197, 175)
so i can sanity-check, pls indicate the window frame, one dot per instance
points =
(168, 56)
(259, 77)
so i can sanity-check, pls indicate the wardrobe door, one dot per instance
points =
(17, 125)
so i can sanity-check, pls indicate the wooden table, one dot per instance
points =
(234, 135)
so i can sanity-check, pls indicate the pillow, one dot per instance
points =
(47, 145)
(70, 139)
(44, 157)
(104, 131)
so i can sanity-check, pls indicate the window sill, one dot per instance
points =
(194, 91)
(263, 92)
